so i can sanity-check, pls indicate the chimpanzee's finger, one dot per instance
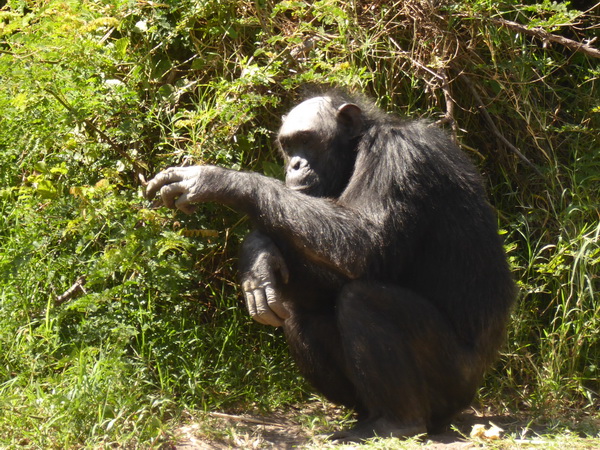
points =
(170, 192)
(251, 303)
(251, 306)
(263, 309)
(168, 176)
(183, 203)
(275, 304)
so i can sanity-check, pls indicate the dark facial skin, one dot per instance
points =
(310, 138)
(301, 139)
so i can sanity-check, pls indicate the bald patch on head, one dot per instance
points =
(313, 114)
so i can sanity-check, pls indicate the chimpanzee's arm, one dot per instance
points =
(325, 232)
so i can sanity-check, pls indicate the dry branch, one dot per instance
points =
(542, 34)
(442, 78)
(492, 124)
(74, 291)
(245, 419)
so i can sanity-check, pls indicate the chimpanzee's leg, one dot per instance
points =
(404, 359)
(314, 341)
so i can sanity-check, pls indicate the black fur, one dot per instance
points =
(399, 289)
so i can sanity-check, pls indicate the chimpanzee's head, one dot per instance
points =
(318, 139)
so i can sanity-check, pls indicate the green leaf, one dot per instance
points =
(46, 189)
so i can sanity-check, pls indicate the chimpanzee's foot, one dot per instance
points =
(377, 428)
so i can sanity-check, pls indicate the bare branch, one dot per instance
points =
(245, 419)
(492, 124)
(74, 291)
(542, 34)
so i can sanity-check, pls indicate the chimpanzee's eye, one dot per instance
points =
(304, 137)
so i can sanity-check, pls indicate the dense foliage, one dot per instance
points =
(115, 316)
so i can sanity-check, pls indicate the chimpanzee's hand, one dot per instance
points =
(262, 267)
(179, 187)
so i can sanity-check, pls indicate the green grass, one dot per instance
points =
(96, 97)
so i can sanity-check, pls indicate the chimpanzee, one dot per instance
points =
(379, 257)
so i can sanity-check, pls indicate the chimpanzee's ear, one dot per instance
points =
(351, 116)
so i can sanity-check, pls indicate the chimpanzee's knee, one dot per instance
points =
(314, 343)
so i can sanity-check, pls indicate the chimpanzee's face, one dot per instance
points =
(315, 148)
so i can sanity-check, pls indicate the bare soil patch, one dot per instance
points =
(292, 430)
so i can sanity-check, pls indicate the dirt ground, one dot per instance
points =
(285, 431)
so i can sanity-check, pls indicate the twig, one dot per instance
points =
(492, 125)
(105, 137)
(445, 86)
(245, 419)
(545, 36)
(75, 290)
(449, 116)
